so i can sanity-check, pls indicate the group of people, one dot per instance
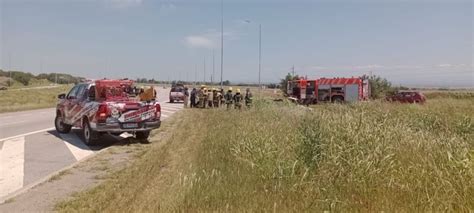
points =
(215, 98)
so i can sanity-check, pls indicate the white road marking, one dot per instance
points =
(26, 134)
(76, 146)
(12, 158)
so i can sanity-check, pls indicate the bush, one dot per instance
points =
(380, 87)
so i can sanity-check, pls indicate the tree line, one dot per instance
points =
(25, 77)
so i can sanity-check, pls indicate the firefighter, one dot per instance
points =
(217, 98)
(237, 100)
(193, 98)
(200, 97)
(248, 98)
(210, 98)
(186, 97)
(222, 97)
(203, 103)
(229, 98)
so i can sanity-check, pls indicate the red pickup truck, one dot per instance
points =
(105, 106)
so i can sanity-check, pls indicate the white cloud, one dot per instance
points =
(123, 3)
(197, 41)
(445, 65)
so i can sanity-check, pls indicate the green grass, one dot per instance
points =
(18, 100)
(372, 157)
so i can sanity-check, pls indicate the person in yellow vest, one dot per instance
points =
(217, 97)
(229, 98)
(238, 100)
(204, 98)
(210, 98)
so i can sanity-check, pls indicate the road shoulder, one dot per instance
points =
(84, 175)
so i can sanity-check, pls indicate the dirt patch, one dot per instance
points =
(85, 175)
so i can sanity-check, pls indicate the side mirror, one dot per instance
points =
(62, 96)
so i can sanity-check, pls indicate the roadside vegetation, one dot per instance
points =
(21, 79)
(373, 156)
(34, 98)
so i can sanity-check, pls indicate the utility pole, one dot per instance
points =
(259, 55)
(293, 70)
(222, 40)
(195, 75)
(213, 67)
(204, 70)
(10, 66)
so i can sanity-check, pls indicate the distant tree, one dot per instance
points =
(284, 82)
(226, 82)
(380, 87)
(273, 86)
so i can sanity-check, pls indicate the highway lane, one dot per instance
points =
(30, 148)
(16, 123)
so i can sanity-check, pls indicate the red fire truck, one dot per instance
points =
(306, 91)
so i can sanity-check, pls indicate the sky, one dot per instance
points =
(409, 42)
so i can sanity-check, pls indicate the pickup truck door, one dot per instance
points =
(72, 104)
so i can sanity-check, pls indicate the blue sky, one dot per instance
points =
(416, 42)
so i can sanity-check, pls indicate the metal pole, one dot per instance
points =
(222, 40)
(195, 76)
(259, 54)
(10, 66)
(204, 70)
(213, 67)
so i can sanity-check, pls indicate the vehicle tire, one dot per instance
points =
(142, 135)
(90, 136)
(60, 126)
(171, 101)
(337, 99)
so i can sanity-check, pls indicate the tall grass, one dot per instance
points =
(360, 157)
(18, 100)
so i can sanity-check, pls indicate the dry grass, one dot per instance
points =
(363, 157)
(18, 100)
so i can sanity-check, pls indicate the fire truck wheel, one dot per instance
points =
(142, 135)
(60, 126)
(90, 136)
(337, 99)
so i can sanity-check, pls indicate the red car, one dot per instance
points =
(105, 106)
(408, 97)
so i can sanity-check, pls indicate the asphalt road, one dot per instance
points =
(30, 148)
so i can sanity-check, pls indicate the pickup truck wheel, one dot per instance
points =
(142, 135)
(60, 126)
(90, 136)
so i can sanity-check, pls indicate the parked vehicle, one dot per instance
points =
(306, 91)
(408, 97)
(104, 106)
(177, 93)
